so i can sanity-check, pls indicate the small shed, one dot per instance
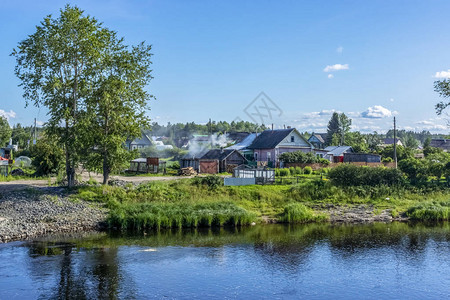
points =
(222, 160)
(147, 165)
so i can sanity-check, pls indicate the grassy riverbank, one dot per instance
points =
(204, 202)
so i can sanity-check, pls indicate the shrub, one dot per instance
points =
(292, 171)
(298, 213)
(351, 175)
(307, 170)
(298, 171)
(430, 212)
(47, 157)
(285, 172)
(175, 165)
(211, 181)
(298, 157)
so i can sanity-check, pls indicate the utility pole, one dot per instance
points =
(395, 143)
(35, 133)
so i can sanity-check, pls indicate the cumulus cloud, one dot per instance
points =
(330, 76)
(339, 49)
(8, 115)
(377, 112)
(40, 123)
(442, 74)
(317, 114)
(336, 67)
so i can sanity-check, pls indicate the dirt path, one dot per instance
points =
(40, 183)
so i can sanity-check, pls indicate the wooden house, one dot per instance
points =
(318, 140)
(443, 144)
(220, 160)
(270, 144)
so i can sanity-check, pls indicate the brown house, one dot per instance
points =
(220, 160)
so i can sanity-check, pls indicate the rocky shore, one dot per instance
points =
(31, 213)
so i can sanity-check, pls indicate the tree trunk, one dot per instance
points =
(106, 170)
(70, 171)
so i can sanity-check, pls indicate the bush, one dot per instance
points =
(211, 181)
(430, 212)
(298, 213)
(285, 172)
(175, 165)
(307, 170)
(47, 157)
(299, 157)
(298, 171)
(351, 175)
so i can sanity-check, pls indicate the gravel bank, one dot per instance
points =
(34, 212)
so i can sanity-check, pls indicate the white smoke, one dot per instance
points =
(198, 148)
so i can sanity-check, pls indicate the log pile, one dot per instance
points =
(189, 171)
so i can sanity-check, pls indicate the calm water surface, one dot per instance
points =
(381, 261)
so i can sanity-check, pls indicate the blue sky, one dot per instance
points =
(371, 60)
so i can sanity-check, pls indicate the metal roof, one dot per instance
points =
(244, 143)
(337, 150)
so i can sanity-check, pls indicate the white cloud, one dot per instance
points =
(336, 67)
(330, 76)
(8, 115)
(442, 74)
(339, 49)
(377, 112)
(392, 99)
(40, 123)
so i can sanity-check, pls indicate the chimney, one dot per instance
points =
(289, 127)
(284, 126)
(272, 126)
(221, 149)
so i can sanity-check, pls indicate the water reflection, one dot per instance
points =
(265, 261)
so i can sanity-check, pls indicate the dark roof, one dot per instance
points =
(440, 143)
(269, 139)
(143, 140)
(390, 141)
(217, 154)
(237, 137)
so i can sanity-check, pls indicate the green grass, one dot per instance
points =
(178, 203)
(436, 211)
(299, 213)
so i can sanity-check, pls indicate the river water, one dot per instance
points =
(378, 261)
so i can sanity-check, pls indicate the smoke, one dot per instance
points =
(198, 146)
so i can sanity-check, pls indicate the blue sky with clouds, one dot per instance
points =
(371, 60)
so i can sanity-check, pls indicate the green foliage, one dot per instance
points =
(299, 213)
(5, 131)
(307, 170)
(402, 152)
(351, 175)
(357, 141)
(338, 127)
(175, 165)
(47, 157)
(443, 88)
(437, 211)
(159, 215)
(284, 172)
(299, 157)
(211, 181)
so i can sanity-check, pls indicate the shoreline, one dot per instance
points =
(34, 213)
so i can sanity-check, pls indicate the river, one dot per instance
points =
(315, 261)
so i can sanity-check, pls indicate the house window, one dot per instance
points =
(256, 156)
(269, 156)
(292, 139)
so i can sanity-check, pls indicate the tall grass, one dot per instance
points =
(299, 213)
(164, 215)
(438, 211)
